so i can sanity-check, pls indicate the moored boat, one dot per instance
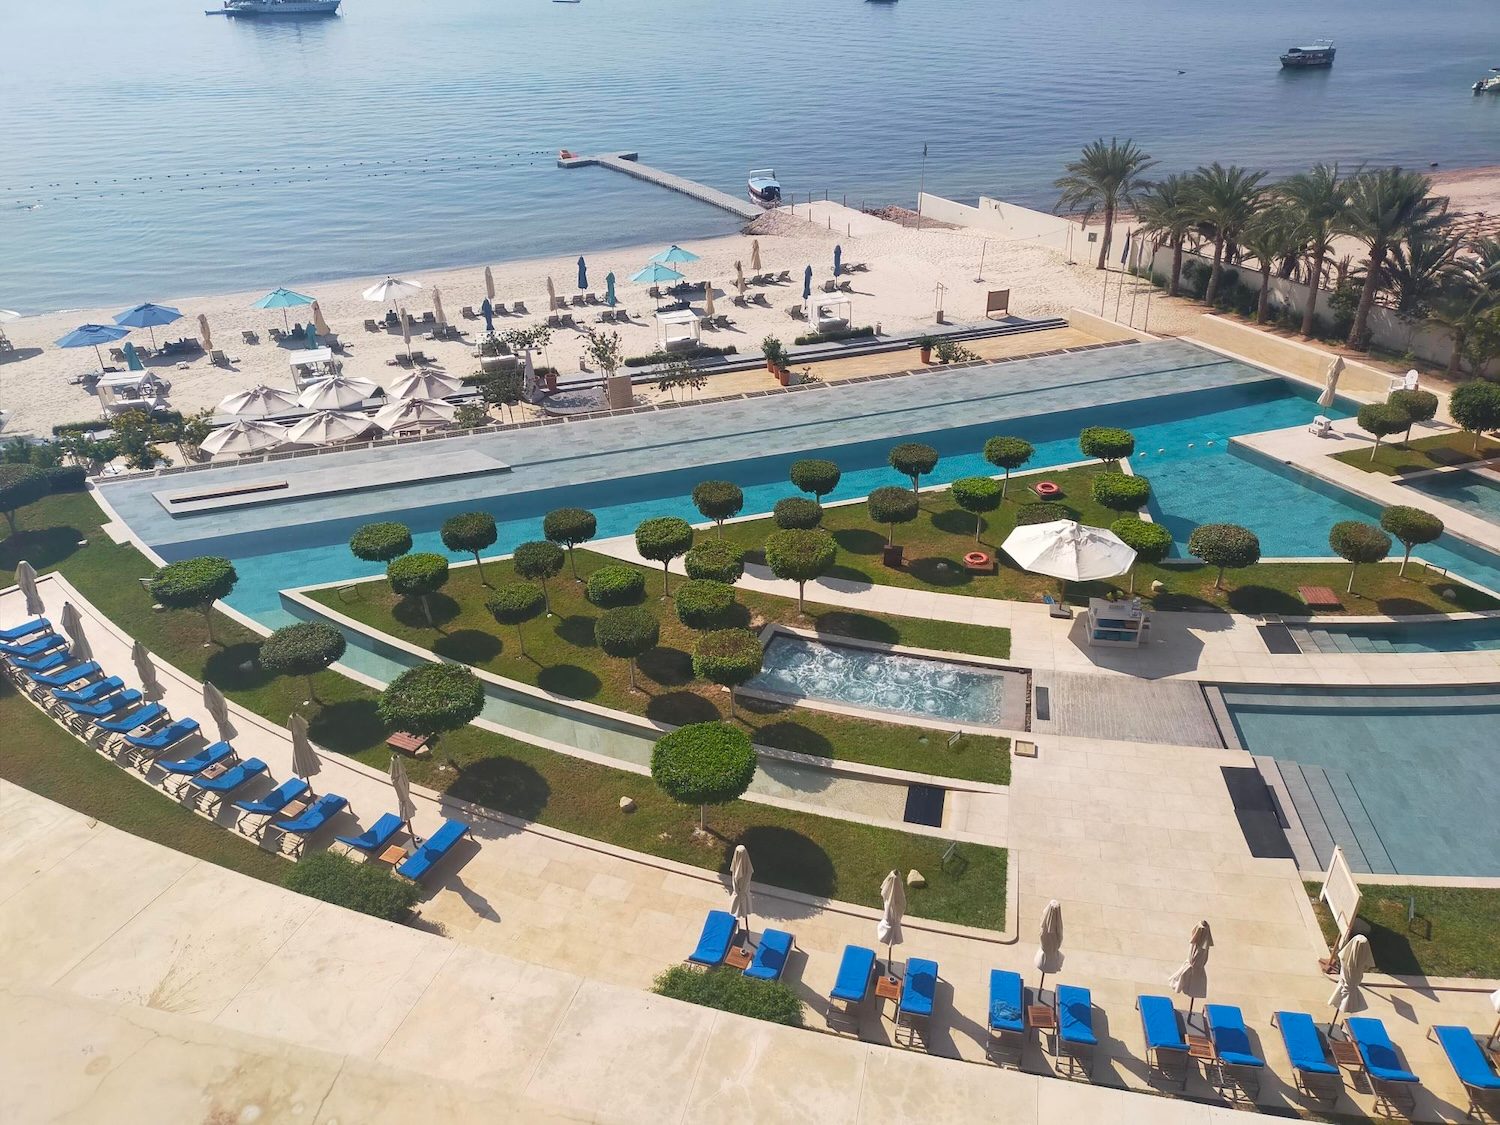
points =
(1315, 54)
(1490, 85)
(276, 8)
(764, 187)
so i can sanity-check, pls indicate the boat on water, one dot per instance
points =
(1490, 85)
(1318, 53)
(276, 8)
(764, 187)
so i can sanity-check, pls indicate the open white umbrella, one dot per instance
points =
(244, 436)
(327, 427)
(1049, 958)
(1191, 979)
(1355, 959)
(258, 402)
(1331, 381)
(424, 384)
(740, 873)
(708, 298)
(72, 625)
(26, 579)
(414, 412)
(1068, 550)
(489, 283)
(892, 910)
(336, 392)
(218, 708)
(145, 669)
(406, 808)
(305, 761)
(392, 291)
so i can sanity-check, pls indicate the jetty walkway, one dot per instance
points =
(629, 163)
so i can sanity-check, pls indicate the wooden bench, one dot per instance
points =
(414, 744)
(1319, 597)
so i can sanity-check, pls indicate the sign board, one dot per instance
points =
(998, 303)
(1341, 894)
(1093, 236)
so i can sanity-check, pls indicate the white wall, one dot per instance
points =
(1008, 221)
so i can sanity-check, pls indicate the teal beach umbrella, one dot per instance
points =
(609, 289)
(674, 255)
(283, 299)
(656, 273)
(583, 274)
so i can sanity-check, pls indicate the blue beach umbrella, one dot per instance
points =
(609, 289)
(487, 311)
(148, 316)
(283, 299)
(583, 273)
(674, 254)
(807, 283)
(838, 260)
(91, 336)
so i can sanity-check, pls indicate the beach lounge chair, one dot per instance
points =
(1471, 1068)
(519, 308)
(719, 930)
(214, 789)
(622, 316)
(160, 740)
(218, 358)
(723, 321)
(1166, 1049)
(106, 707)
(918, 992)
(376, 837)
(771, 955)
(1075, 1026)
(132, 720)
(852, 986)
(468, 313)
(1315, 1075)
(784, 276)
(190, 767)
(301, 828)
(47, 662)
(1007, 1016)
(271, 804)
(247, 336)
(607, 316)
(1238, 1062)
(429, 317)
(32, 646)
(62, 677)
(25, 629)
(371, 326)
(434, 848)
(91, 693)
(1394, 1085)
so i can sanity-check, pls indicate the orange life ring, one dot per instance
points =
(976, 558)
(1047, 490)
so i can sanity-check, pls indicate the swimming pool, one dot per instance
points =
(1476, 493)
(1401, 637)
(1409, 777)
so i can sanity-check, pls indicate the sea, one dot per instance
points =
(149, 150)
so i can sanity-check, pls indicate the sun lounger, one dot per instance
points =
(376, 837)
(434, 848)
(1470, 1067)
(271, 804)
(65, 676)
(468, 313)
(719, 929)
(218, 358)
(44, 663)
(133, 720)
(852, 987)
(1075, 1025)
(1314, 1074)
(1238, 1062)
(35, 646)
(918, 992)
(1393, 1083)
(249, 337)
(163, 739)
(771, 955)
(106, 707)
(519, 307)
(1166, 1049)
(25, 629)
(1007, 1016)
(92, 693)
(208, 756)
(371, 326)
(302, 827)
(216, 788)
(1056, 608)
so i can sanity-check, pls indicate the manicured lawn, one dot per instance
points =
(1272, 588)
(1453, 934)
(1440, 451)
(561, 657)
(815, 854)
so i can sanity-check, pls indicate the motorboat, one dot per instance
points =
(1490, 85)
(276, 8)
(1318, 53)
(764, 187)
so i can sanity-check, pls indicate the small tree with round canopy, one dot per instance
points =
(20, 485)
(1007, 453)
(419, 576)
(538, 561)
(800, 555)
(891, 505)
(704, 604)
(718, 500)
(515, 603)
(728, 657)
(797, 512)
(703, 764)
(1041, 511)
(568, 527)
(1475, 406)
(1120, 492)
(1380, 419)
(471, 532)
(977, 495)
(1107, 443)
(380, 542)
(914, 460)
(1358, 542)
(1226, 546)
(1412, 526)
(1415, 406)
(615, 585)
(815, 476)
(715, 561)
(303, 649)
(431, 700)
(627, 632)
(663, 539)
(1151, 542)
(195, 584)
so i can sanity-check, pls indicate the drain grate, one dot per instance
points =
(924, 805)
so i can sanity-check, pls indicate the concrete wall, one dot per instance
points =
(1291, 356)
(1009, 221)
(1103, 329)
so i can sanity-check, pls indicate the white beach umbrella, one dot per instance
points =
(327, 427)
(1331, 381)
(26, 579)
(437, 308)
(1068, 550)
(1049, 958)
(1191, 979)
(414, 412)
(258, 402)
(892, 910)
(1355, 959)
(204, 334)
(551, 296)
(424, 384)
(755, 254)
(406, 330)
(319, 324)
(336, 392)
(1495, 1003)
(218, 708)
(741, 871)
(72, 625)
(145, 669)
(305, 761)
(708, 298)
(392, 291)
(406, 808)
(489, 283)
(244, 436)
(739, 278)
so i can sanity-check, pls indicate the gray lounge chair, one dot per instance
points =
(519, 307)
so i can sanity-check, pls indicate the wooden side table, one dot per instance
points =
(887, 988)
(292, 811)
(1200, 1047)
(1041, 1017)
(394, 854)
(213, 771)
(1346, 1054)
(738, 957)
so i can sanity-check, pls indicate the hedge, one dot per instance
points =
(1107, 443)
(67, 478)
(703, 351)
(430, 699)
(729, 990)
(812, 474)
(615, 585)
(302, 649)
(837, 334)
(1043, 511)
(703, 763)
(365, 887)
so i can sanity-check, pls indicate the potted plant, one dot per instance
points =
(926, 344)
(775, 355)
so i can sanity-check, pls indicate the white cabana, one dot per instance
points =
(829, 312)
(677, 330)
(312, 365)
(243, 437)
(414, 413)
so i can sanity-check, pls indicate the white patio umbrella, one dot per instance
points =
(489, 283)
(1495, 1003)
(437, 308)
(1331, 381)
(551, 296)
(145, 669)
(414, 412)
(406, 330)
(258, 402)
(1068, 550)
(755, 255)
(244, 436)
(892, 910)
(739, 278)
(72, 624)
(327, 427)
(708, 298)
(218, 708)
(26, 579)
(406, 808)
(319, 324)
(741, 871)
(424, 384)
(305, 761)
(1191, 979)
(392, 291)
(1049, 957)
(336, 392)
(204, 334)
(1355, 959)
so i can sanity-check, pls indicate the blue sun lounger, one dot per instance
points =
(434, 848)
(167, 736)
(276, 800)
(106, 707)
(44, 663)
(33, 647)
(1470, 1067)
(1237, 1058)
(302, 827)
(1392, 1082)
(228, 781)
(852, 986)
(1315, 1075)
(62, 677)
(1075, 1026)
(134, 719)
(376, 837)
(718, 933)
(918, 992)
(1007, 1015)
(25, 629)
(1166, 1049)
(208, 756)
(91, 693)
(771, 955)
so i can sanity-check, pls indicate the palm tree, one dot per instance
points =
(1321, 198)
(1274, 232)
(1104, 177)
(1163, 212)
(1470, 290)
(1224, 199)
(1419, 267)
(1386, 206)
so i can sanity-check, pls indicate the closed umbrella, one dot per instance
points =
(72, 625)
(406, 331)
(91, 336)
(414, 412)
(1067, 550)
(247, 435)
(337, 392)
(489, 283)
(755, 255)
(258, 402)
(739, 278)
(26, 579)
(406, 808)
(283, 299)
(327, 427)
(1049, 957)
(807, 283)
(1191, 979)
(740, 873)
(218, 709)
(1355, 959)
(487, 311)
(1331, 381)
(708, 298)
(609, 289)
(132, 357)
(892, 909)
(1495, 1003)
(392, 291)
(583, 274)
(424, 384)
(204, 335)
(838, 260)
(145, 669)
(528, 378)
(437, 308)
(310, 334)
(148, 316)
(318, 322)
(551, 296)
(305, 761)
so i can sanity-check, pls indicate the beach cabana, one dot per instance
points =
(829, 314)
(283, 299)
(91, 336)
(148, 316)
(677, 330)
(312, 366)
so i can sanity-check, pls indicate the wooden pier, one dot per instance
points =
(629, 163)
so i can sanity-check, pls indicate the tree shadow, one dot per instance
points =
(670, 667)
(1263, 599)
(576, 630)
(682, 707)
(787, 859)
(468, 646)
(237, 668)
(409, 612)
(849, 574)
(569, 680)
(937, 571)
(44, 547)
(859, 540)
(503, 784)
(954, 521)
(1396, 607)
(788, 734)
(349, 726)
(841, 623)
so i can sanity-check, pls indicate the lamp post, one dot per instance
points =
(921, 185)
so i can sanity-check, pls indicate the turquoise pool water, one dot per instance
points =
(1475, 494)
(1423, 764)
(1417, 636)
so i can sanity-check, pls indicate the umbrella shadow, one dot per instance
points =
(16, 355)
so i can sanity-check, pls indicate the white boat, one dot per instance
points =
(1490, 85)
(276, 8)
(764, 187)
(1316, 54)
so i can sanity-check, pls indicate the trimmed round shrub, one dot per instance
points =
(891, 505)
(626, 633)
(380, 542)
(1475, 406)
(703, 604)
(661, 540)
(568, 527)
(1412, 526)
(1042, 511)
(20, 485)
(915, 460)
(417, 575)
(538, 561)
(1107, 443)
(1008, 453)
(1415, 406)
(815, 476)
(1226, 546)
(469, 533)
(728, 657)
(1381, 420)
(1151, 542)
(1358, 542)
(431, 699)
(800, 555)
(977, 495)
(703, 764)
(615, 585)
(303, 649)
(67, 478)
(718, 500)
(797, 512)
(715, 561)
(195, 584)
(1120, 492)
(515, 603)
(366, 887)
(730, 990)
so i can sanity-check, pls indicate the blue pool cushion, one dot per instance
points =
(1075, 1015)
(434, 848)
(90, 692)
(25, 629)
(377, 836)
(919, 988)
(770, 955)
(232, 778)
(276, 800)
(44, 663)
(132, 719)
(1467, 1058)
(1376, 1048)
(35, 646)
(1304, 1043)
(319, 813)
(1007, 1012)
(166, 736)
(718, 934)
(1226, 1023)
(208, 756)
(856, 969)
(106, 707)
(62, 677)
(1159, 1024)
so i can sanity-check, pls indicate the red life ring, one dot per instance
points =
(976, 558)
(1047, 490)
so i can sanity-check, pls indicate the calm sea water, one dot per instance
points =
(172, 152)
